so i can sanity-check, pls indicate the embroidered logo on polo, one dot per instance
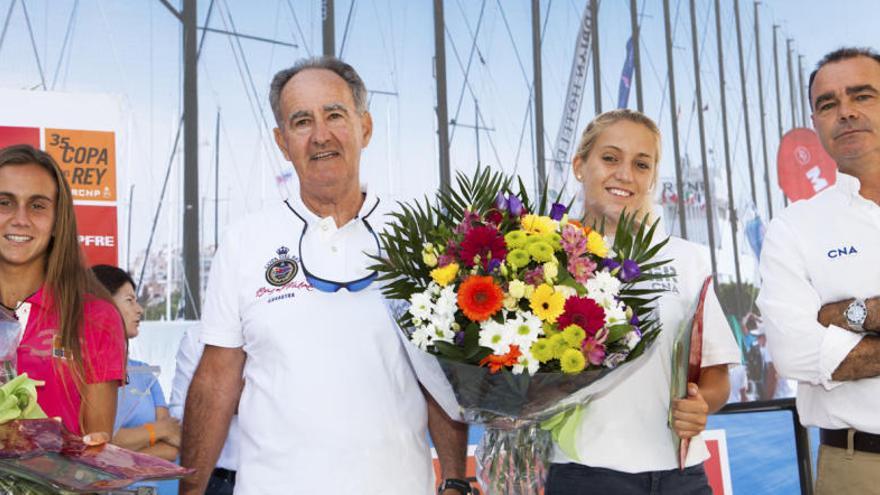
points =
(281, 269)
(841, 252)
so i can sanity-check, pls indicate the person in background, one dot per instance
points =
(624, 442)
(222, 481)
(739, 384)
(142, 419)
(820, 266)
(73, 338)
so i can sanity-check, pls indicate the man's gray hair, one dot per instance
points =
(333, 64)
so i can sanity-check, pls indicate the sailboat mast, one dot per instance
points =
(679, 181)
(745, 103)
(761, 114)
(538, 92)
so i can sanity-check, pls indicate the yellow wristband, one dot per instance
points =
(152, 430)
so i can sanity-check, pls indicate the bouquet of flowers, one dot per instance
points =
(40, 456)
(524, 309)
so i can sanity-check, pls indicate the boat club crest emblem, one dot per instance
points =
(282, 269)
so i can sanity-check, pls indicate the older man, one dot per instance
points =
(821, 277)
(329, 403)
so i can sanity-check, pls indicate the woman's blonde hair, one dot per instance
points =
(605, 120)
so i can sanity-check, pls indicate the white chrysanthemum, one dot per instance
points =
(447, 302)
(603, 299)
(444, 322)
(495, 336)
(422, 338)
(603, 282)
(615, 313)
(421, 306)
(524, 328)
(526, 363)
(434, 288)
(441, 334)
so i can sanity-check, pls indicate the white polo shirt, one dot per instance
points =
(330, 402)
(822, 250)
(626, 428)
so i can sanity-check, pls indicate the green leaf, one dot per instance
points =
(449, 351)
(617, 332)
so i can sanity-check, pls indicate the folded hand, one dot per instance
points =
(689, 414)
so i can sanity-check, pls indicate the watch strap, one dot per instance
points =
(462, 486)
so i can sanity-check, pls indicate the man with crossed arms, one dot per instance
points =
(820, 269)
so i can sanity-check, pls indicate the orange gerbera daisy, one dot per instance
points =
(480, 298)
(496, 362)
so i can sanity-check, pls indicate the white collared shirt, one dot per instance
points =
(818, 251)
(330, 402)
(626, 428)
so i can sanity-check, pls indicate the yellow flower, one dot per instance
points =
(444, 275)
(596, 244)
(518, 258)
(541, 350)
(558, 345)
(540, 251)
(546, 303)
(554, 239)
(515, 239)
(535, 224)
(572, 361)
(429, 255)
(429, 259)
(574, 335)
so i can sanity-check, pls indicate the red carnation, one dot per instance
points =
(583, 312)
(485, 242)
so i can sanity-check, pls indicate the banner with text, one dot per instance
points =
(82, 134)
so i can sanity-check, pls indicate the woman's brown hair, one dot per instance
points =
(67, 280)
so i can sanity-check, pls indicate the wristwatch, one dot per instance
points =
(462, 486)
(856, 314)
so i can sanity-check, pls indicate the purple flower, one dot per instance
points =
(510, 204)
(610, 264)
(459, 338)
(515, 206)
(634, 321)
(493, 265)
(535, 276)
(500, 202)
(557, 211)
(629, 271)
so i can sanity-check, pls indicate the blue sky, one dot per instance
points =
(132, 48)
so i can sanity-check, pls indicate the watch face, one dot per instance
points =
(856, 313)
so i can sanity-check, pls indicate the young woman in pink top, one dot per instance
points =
(73, 337)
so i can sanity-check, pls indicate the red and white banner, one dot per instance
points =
(82, 133)
(803, 165)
